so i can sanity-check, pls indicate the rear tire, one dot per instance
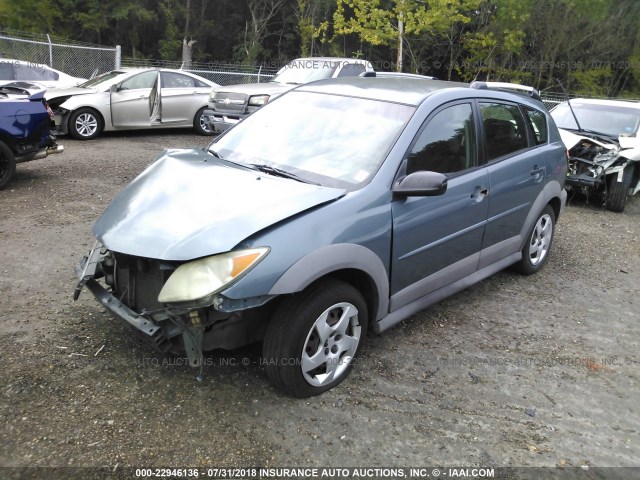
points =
(7, 165)
(201, 123)
(85, 124)
(617, 191)
(536, 250)
(314, 337)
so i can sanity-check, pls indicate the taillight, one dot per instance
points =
(49, 111)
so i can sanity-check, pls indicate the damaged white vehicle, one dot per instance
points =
(604, 148)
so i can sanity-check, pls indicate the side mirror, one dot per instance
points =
(421, 184)
(114, 88)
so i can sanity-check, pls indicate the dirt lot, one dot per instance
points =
(518, 371)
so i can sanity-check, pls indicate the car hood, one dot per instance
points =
(190, 204)
(269, 88)
(67, 92)
(570, 140)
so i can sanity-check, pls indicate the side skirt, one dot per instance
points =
(437, 295)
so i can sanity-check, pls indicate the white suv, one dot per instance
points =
(232, 103)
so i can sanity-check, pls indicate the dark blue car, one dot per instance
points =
(343, 206)
(24, 128)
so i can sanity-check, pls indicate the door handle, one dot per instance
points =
(537, 173)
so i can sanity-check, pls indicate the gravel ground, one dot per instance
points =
(517, 371)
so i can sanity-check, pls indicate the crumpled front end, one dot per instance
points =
(129, 286)
(590, 162)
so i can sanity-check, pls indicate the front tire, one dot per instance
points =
(618, 191)
(201, 123)
(314, 337)
(536, 250)
(85, 124)
(7, 165)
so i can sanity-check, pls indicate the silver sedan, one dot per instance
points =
(131, 100)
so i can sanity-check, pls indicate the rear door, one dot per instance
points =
(131, 103)
(516, 174)
(437, 240)
(182, 96)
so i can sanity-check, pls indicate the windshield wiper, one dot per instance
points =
(279, 172)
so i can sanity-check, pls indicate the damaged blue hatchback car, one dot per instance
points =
(344, 206)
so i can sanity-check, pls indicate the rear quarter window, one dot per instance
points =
(538, 122)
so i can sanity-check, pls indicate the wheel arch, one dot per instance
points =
(353, 264)
(552, 194)
(85, 107)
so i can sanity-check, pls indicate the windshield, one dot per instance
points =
(105, 78)
(305, 71)
(332, 140)
(607, 119)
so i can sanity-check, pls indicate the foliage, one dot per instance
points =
(591, 46)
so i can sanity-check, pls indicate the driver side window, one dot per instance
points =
(447, 144)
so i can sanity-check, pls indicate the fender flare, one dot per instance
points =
(550, 191)
(332, 258)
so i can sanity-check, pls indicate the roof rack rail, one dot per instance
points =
(506, 86)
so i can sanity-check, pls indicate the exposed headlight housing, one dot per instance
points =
(199, 280)
(258, 100)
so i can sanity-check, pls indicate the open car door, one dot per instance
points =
(155, 102)
(132, 100)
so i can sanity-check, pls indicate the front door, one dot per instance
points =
(437, 240)
(131, 102)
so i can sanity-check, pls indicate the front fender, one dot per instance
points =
(332, 258)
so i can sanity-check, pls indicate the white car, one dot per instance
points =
(602, 137)
(132, 100)
(232, 103)
(43, 75)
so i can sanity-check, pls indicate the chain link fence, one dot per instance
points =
(550, 99)
(85, 60)
(73, 58)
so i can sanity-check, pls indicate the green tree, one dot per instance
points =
(390, 22)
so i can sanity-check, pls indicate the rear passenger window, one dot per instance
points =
(504, 129)
(447, 144)
(176, 80)
(538, 122)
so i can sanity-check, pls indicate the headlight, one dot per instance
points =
(202, 278)
(258, 100)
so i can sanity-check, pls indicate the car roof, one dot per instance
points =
(27, 63)
(607, 102)
(330, 59)
(407, 90)
(132, 70)
(413, 91)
